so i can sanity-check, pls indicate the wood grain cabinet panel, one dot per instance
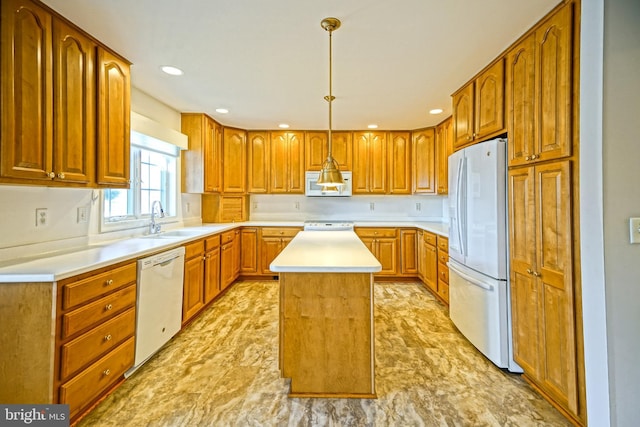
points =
(234, 159)
(424, 163)
(369, 163)
(258, 162)
(399, 163)
(211, 268)
(201, 163)
(193, 286)
(443, 148)
(287, 162)
(114, 115)
(316, 149)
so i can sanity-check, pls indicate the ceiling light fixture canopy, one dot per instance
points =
(330, 176)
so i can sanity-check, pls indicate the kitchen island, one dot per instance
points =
(326, 315)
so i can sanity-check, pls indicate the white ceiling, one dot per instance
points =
(268, 61)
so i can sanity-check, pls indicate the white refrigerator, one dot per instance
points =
(479, 301)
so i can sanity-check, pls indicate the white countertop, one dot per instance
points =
(53, 266)
(326, 252)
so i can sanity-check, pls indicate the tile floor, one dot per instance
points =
(222, 371)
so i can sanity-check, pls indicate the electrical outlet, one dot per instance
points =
(82, 214)
(296, 205)
(188, 207)
(255, 206)
(418, 207)
(634, 230)
(42, 217)
(372, 206)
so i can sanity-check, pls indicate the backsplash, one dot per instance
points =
(357, 208)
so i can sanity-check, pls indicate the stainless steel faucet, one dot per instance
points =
(153, 227)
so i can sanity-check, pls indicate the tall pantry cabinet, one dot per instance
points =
(541, 76)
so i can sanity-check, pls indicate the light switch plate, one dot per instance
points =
(634, 230)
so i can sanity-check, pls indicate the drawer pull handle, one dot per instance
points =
(107, 337)
(109, 282)
(106, 372)
(108, 307)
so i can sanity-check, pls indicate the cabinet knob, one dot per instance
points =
(469, 138)
(107, 337)
(51, 174)
(109, 282)
(536, 274)
(527, 158)
(534, 156)
(108, 307)
(61, 175)
(106, 372)
(530, 271)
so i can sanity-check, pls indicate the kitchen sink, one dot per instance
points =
(175, 234)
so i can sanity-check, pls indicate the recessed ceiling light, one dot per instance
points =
(172, 70)
(283, 126)
(435, 111)
(372, 126)
(222, 110)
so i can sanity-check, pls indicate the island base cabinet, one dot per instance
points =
(326, 334)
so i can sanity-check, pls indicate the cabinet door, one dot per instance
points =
(525, 295)
(387, 254)
(279, 164)
(430, 267)
(234, 159)
(424, 161)
(399, 163)
(554, 85)
(378, 163)
(463, 117)
(341, 149)
(444, 148)
(258, 164)
(249, 249)
(360, 178)
(489, 101)
(193, 294)
(408, 248)
(26, 91)
(227, 269)
(315, 150)
(269, 249)
(211, 274)
(114, 112)
(521, 98)
(74, 113)
(295, 158)
(212, 158)
(553, 271)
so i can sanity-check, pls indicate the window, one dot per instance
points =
(153, 177)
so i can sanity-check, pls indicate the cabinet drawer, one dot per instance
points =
(443, 257)
(227, 237)
(81, 351)
(85, 387)
(211, 242)
(376, 232)
(79, 292)
(429, 238)
(443, 272)
(279, 232)
(98, 311)
(443, 290)
(443, 244)
(194, 249)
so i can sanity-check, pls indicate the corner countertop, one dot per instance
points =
(326, 252)
(71, 261)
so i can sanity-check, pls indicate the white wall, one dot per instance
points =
(621, 183)
(357, 208)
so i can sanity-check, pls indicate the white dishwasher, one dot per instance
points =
(159, 303)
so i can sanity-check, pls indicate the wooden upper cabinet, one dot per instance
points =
(114, 113)
(287, 162)
(26, 122)
(201, 165)
(424, 161)
(74, 138)
(478, 108)
(539, 85)
(369, 162)
(399, 150)
(258, 162)
(234, 159)
(444, 148)
(317, 147)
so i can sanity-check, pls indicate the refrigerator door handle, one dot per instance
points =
(460, 197)
(470, 279)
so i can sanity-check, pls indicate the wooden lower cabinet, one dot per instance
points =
(211, 268)
(383, 244)
(272, 241)
(229, 257)
(408, 252)
(542, 286)
(443, 271)
(95, 326)
(193, 294)
(249, 259)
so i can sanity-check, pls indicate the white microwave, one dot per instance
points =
(314, 190)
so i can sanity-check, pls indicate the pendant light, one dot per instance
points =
(330, 177)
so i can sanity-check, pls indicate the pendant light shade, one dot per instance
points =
(330, 177)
